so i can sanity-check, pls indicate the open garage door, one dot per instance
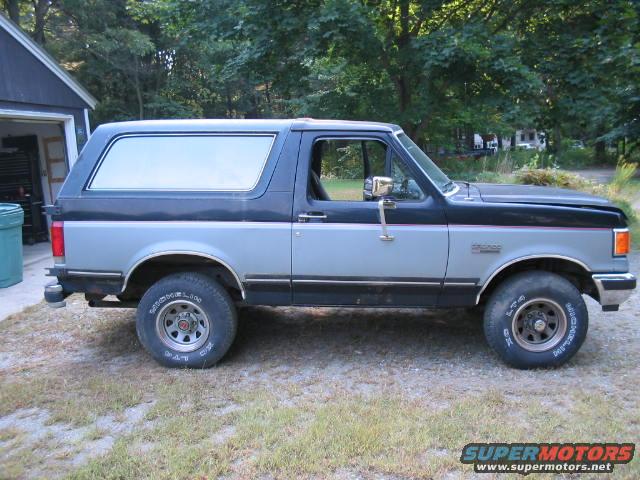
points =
(34, 162)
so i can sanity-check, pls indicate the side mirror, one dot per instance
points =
(377, 187)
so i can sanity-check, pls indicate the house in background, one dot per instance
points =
(44, 123)
(530, 138)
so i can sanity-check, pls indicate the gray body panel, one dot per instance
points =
(443, 248)
(343, 250)
(591, 249)
(246, 247)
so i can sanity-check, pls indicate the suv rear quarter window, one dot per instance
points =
(183, 162)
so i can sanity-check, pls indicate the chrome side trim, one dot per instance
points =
(183, 252)
(268, 280)
(88, 273)
(612, 297)
(521, 259)
(459, 284)
(364, 282)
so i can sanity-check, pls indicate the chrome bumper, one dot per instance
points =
(614, 288)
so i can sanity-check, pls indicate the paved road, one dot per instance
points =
(600, 175)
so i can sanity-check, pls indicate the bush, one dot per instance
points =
(489, 177)
(552, 177)
(622, 177)
(575, 157)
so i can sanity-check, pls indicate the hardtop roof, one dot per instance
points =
(243, 125)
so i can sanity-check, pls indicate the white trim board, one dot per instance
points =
(71, 144)
(48, 61)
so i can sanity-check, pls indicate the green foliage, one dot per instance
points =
(559, 178)
(623, 176)
(488, 169)
(439, 69)
(576, 157)
(550, 177)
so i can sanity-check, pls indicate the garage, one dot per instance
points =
(44, 122)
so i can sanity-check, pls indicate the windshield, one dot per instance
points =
(436, 175)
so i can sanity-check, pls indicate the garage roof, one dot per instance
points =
(41, 54)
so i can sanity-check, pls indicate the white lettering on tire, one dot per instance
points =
(511, 308)
(175, 356)
(507, 337)
(514, 305)
(170, 296)
(573, 325)
(207, 348)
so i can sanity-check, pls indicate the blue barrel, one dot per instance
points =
(11, 220)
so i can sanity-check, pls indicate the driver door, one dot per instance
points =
(339, 255)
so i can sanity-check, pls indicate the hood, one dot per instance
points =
(533, 194)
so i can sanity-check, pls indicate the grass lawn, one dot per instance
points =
(304, 393)
(343, 189)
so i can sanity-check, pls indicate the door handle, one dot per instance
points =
(310, 216)
(382, 205)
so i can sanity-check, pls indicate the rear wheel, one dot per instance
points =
(186, 320)
(536, 319)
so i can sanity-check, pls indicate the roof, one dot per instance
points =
(41, 54)
(246, 125)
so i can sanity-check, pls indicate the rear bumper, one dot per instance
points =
(614, 288)
(54, 295)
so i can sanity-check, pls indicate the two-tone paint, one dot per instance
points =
(283, 247)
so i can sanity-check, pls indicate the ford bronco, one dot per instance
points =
(186, 219)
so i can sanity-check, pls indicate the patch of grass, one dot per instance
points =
(77, 404)
(15, 395)
(182, 448)
(7, 434)
(339, 189)
(117, 464)
(96, 397)
(94, 433)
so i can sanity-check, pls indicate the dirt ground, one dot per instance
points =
(313, 393)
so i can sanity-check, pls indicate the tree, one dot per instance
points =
(442, 69)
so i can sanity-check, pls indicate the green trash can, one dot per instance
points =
(11, 220)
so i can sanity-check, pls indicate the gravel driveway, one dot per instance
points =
(316, 393)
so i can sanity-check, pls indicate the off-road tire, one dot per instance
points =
(518, 302)
(208, 301)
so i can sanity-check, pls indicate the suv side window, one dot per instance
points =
(183, 162)
(339, 168)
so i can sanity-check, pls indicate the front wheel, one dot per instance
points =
(186, 320)
(536, 320)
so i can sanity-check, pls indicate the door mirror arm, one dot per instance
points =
(380, 188)
(383, 204)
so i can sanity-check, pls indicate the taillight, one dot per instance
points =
(57, 239)
(621, 242)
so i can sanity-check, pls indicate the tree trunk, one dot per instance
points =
(601, 153)
(136, 79)
(554, 147)
(40, 10)
(13, 9)
(469, 137)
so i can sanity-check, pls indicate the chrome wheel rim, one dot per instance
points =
(539, 325)
(182, 326)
